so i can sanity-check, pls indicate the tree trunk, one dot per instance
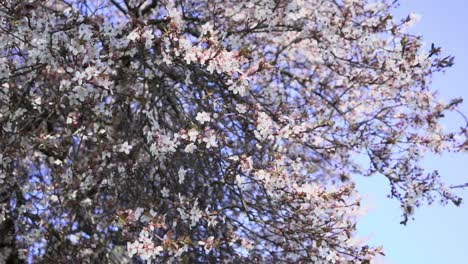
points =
(8, 250)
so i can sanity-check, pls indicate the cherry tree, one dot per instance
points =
(210, 131)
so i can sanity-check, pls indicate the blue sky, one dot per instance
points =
(439, 234)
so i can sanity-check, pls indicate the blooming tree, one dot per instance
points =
(209, 131)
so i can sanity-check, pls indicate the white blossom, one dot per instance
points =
(125, 148)
(203, 117)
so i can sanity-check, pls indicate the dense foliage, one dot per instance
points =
(209, 131)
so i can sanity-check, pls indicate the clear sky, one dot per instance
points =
(439, 234)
